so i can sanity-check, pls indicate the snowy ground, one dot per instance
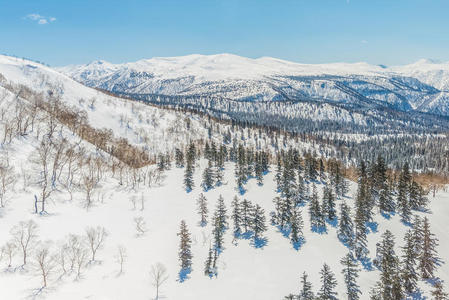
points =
(244, 271)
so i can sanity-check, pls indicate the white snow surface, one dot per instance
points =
(244, 271)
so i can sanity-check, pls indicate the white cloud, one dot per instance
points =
(41, 20)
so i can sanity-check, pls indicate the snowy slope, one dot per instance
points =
(244, 271)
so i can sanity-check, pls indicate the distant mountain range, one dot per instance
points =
(269, 90)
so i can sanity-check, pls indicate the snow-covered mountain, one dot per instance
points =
(419, 87)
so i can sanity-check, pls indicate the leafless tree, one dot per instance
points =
(133, 200)
(140, 226)
(9, 249)
(81, 255)
(88, 184)
(158, 277)
(121, 257)
(142, 202)
(42, 157)
(44, 263)
(25, 236)
(95, 239)
(7, 181)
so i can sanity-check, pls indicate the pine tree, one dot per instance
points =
(346, 226)
(306, 292)
(428, 260)
(390, 279)
(236, 216)
(190, 168)
(258, 222)
(403, 194)
(221, 213)
(179, 158)
(208, 177)
(328, 207)
(360, 241)
(202, 209)
(208, 271)
(418, 236)
(296, 225)
(301, 196)
(322, 174)
(246, 213)
(408, 272)
(259, 169)
(185, 254)
(328, 284)
(350, 273)
(316, 215)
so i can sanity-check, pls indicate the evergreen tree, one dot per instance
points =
(403, 194)
(428, 260)
(188, 177)
(202, 209)
(316, 216)
(408, 272)
(417, 195)
(301, 196)
(236, 216)
(390, 279)
(350, 273)
(259, 169)
(328, 207)
(258, 222)
(328, 284)
(346, 226)
(179, 158)
(185, 254)
(418, 236)
(296, 225)
(306, 292)
(246, 213)
(322, 171)
(208, 177)
(208, 270)
(360, 241)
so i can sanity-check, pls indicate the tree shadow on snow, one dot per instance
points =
(260, 242)
(387, 215)
(299, 244)
(332, 222)
(367, 264)
(372, 226)
(184, 274)
(319, 229)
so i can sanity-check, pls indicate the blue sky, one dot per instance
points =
(390, 32)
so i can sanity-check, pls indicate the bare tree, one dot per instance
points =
(7, 181)
(158, 276)
(95, 239)
(9, 249)
(42, 157)
(25, 235)
(142, 202)
(44, 263)
(133, 200)
(89, 183)
(140, 226)
(80, 260)
(121, 257)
